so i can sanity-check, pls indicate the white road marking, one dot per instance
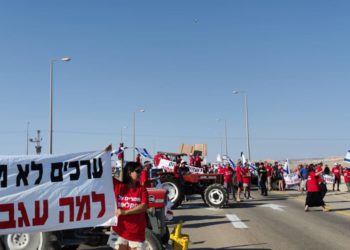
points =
(273, 206)
(236, 222)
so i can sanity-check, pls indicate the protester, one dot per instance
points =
(192, 160)
(304, 172)
(120, 156)
(336, 170)
(321, 182)
(268, 168)
(157, 159)
(145, 179)
(198, 161)
(327, 171)
(313, 197)
(347, 178)
(138, 158)
(280, 178)
(132, 203)
(246, 181)
(262, 172)
(228, 173)
(239, 181)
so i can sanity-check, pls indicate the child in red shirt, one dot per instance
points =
(228, 174)
(132, 203)
(246, 182)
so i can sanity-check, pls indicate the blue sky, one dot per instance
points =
(179, 61)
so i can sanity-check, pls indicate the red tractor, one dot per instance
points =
(208, 185)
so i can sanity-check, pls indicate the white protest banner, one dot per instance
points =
(291, 179)
(195, 170)
(56, 192)
(329, 179)
(166, 165)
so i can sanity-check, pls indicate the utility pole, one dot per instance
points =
(37, 140)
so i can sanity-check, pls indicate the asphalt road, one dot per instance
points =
(274, 222)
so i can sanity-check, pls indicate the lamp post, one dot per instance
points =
(226, 151)
(246, 118)
(64, 59)
(121, 133)
(133, 137)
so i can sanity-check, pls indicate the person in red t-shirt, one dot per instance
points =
(192, 160)
(138, 158)
(228, 174)
(346, 174)
(121, 154)
(157, 159)
(239, 181)
(314, 196)
(132, 204)
(198, 161)
(336, 170)
(246, 181)
(144, 179)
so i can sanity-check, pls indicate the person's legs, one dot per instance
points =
(269, 183)
(239, 191)
(338, 183)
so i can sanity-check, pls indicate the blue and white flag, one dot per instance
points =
(144, 152)
(243, 158)
(286, 167)
(233, 166)
(347, 157)
(252, 167)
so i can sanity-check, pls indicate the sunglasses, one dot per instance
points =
(138, 171)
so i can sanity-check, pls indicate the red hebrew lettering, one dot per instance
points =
(23, 218)
(40, 220)
(101, 199)
(67, 201)
(11, 222)
(84, 205)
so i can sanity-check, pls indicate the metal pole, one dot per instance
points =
(51, 107)
(121, 134)
(133, 138)
(27, 136)
(247, 124)
(226, 138)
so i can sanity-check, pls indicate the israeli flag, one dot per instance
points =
(233, 166)
(286, 167)
(347, 157)
(252, 167)
(218, 158)
(243, 158)
(144, 153)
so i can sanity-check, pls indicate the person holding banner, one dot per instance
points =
(314, 196)
(132, 204)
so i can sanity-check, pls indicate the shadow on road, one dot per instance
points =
(237, 247)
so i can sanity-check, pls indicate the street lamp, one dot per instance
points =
(246, 118)
(121, 133)
(225, 134)
(64, 59)
(133, 137)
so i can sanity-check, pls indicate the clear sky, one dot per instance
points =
(180, 61)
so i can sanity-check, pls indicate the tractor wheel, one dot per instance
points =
(175, 191)
(152, 242)
(216, 196)
(35, 241)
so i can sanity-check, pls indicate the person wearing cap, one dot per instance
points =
(336, 170)
(268, 168)
(346, 175)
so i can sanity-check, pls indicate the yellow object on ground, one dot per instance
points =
(180, 241)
